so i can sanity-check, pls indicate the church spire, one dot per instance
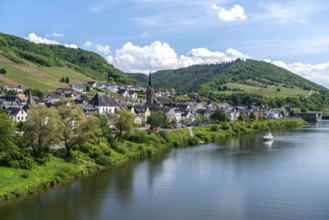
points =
(29, 99)
(150, 79)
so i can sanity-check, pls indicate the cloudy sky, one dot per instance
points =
(136, 35)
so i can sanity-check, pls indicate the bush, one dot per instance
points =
(121, 150)
(103, 161)
(214, 128)
(193, 141)
(3, 71)
(225, 126)
(138, 137)
(164, 134)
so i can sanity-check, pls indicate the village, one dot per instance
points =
(141, 101)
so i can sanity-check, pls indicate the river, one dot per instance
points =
(238, 178)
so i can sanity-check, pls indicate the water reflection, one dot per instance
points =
(268, 143)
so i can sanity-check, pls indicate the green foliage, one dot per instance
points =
(104, 125)
(125, 122)
(138, 137)
(35, 92)
(219, 115)
(214, 128)
(252, 116)
(10, 154)
(164, 134)
(201, 119)
(158, 118)
(90, 64)
(211, 78)
(12, 92)
(3, 71)
(184, 79)
(43, 129)
(225, 126)
(240, 118)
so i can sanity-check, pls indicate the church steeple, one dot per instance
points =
(150, 94)
(150, 79)
(29, 99)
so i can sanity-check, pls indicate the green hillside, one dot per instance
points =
(260, 78)
(184, 79)
(238, 76)
(51, 62)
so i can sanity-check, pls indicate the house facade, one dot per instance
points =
(104, 103)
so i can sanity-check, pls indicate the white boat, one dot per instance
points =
(268, 137)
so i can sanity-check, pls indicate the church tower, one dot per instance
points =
(150, 94)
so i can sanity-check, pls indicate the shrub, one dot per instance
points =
(121, 150)
(25, 175)
(103, 161)
(225, 126)
(214, 128)
(164, 134)
(138, 137)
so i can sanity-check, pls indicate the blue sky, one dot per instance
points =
(135, 35)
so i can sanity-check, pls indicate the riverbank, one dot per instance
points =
(88, 159)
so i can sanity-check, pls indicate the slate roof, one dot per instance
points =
(103, 99)
(12, 111)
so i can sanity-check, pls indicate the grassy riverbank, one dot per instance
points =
(88, 159)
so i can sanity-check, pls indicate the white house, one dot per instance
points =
(272, 114)
(104, 103)
(112, 88)
(17, 114)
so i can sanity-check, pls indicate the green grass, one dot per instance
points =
(270, 91)
(18, 182)
(43, 78)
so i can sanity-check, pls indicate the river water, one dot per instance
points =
(239, 178)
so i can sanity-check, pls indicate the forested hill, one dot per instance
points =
(213, 77)
(184, 79)
(88, 63)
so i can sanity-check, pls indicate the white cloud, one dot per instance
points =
(293, 10)
(97, 8)
(158, 55)
(104, 49)
(39, 40)
(236, 13)
(55, 35)
(74, 46)
(318, 73)
(87, 44)
(109, 59)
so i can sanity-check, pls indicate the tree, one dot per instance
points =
(42, 129)
(67, 80)
(89, 130)
(104, 125)
(252, 116)
(34, 92)
(12, 92)
(125, 122)
(157, 119)
(7, 130)
(201, 119)
(3, 71)
(219, 115)
(77, 129)
(62, 80)
(240, 118)
(10, 154)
